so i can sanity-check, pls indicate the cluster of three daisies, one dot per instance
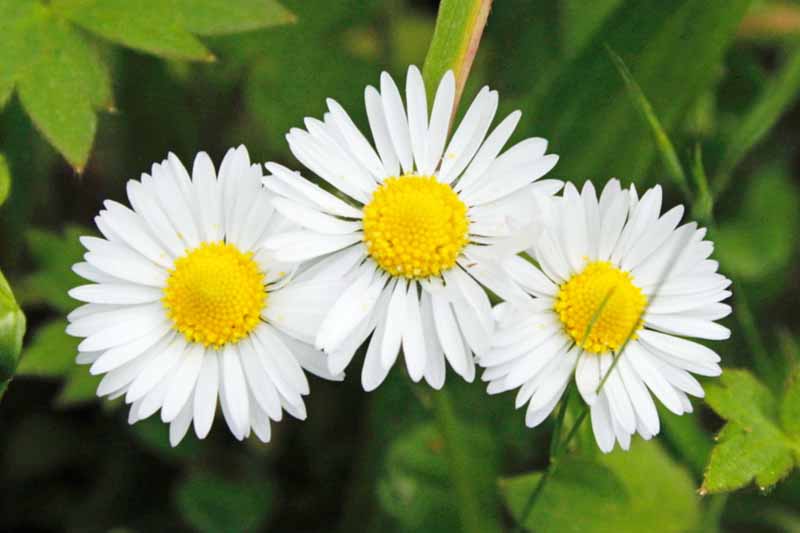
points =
(231, 284)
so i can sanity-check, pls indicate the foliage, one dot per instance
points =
(51, 352)
(760, 441)
(60, 75)
(640, 490)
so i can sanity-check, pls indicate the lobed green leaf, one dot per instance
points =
(639, 490)
(752, 446)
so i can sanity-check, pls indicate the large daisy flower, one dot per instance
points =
(609, 269)
(184, 306)
(410, 232)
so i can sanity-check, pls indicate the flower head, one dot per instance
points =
(618, 288)
(410, 226)
(185, 306)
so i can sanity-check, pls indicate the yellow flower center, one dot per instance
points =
(603, 301)
(215, 294)
(414, 226)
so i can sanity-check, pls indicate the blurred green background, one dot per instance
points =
(722, 77)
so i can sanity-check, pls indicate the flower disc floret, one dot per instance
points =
(215, 294)
(603, 301)
(415, 226)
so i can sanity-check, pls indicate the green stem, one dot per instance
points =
(554, 445)
(469, 508)
(459, 27)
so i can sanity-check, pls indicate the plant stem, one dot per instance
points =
(459, 27)
(469, 508)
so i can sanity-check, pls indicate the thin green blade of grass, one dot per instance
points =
(666, 150)
(703, 208)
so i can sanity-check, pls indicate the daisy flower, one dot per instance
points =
(182, 299)
(609, 269)
(409, 228)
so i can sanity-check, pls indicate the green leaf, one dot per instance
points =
(761, 240)
(220, 17)
(751, 446)
(5, 179)
(624, 492)
(214, 504)
(152, 26)
(50, 353)
(790, 407)
(54, 256)
(459, 26)
(673, 50)
(79, 387)
(17, 21)
(62, 87)
(12, 329)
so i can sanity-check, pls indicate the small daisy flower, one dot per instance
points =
(182, 299)
(411, 231)
(610, 269)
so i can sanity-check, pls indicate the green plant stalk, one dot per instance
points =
(665, 148)
(469, 508)
(455, 42)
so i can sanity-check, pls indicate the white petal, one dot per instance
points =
(180, 425)
(434, 367)
(601, 425)
(413, 335)
(298, 246)
(117, 293)
(312, 219)
(235, 388)
(356, 302)
(183, 383)
(309, 191)
(469, 135)
(374, 372)
(380, 131)
(417, 114)
(205, 394)
(355, 140)
(450, 337)
(261, 387)
(397, 122)
(439, 123)
(395, 323)
(477, 170)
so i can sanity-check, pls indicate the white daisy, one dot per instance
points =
(602, 263)
(184, 305)
(411, 231)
